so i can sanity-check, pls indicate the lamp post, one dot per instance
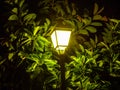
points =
(60, 38)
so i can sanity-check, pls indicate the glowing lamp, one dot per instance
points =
(60, 38)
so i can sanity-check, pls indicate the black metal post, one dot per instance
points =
(62, 68)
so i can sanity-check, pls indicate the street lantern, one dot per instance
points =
(60, 38)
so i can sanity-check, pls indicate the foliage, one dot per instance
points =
(94, 49)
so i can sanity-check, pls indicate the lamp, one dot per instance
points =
(60, 38)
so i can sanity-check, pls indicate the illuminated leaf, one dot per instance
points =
(13, 17)
(82, 48)
(96, 39)
(100, 63)
(16, 1)
(115, 20)
(67, 74)
(68, 9)
(92, 42)
(97, 17)
(48, 21)
(1, 62)
(100, 10)
(96, 24)
(36, 30)
(85, 32)
(87, 21)
(73, 12)
(15, 10)
(91, 29)
(10, 55)
(105, 45)
(95, 8)
(30, 17)
(21, 3)
(89, 52)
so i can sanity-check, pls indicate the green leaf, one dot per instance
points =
(29, 17)
(69, 22)
(118, 62)
(100, 10)
(10, 55)
(79, 24)
(36, 29)
(95, 8)
(48, 21)
(87, 21)
(73, 12)
(91, 29)
(50, 62)
(16, 1)
(104, 44)
(117, 42)
(43, 39)
(85, 32)
(96, 39)
(115, 20)
(82, 48)
(97, 17)
(1, 62)
(92, 42)
(96, 24)
(15, 10)
(68, 9)
(67, 74)
(21, 3)
(89, 52)
(13, 17)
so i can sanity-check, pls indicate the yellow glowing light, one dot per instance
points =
(60, 39)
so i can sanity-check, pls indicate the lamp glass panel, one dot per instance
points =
(54, 39)
(63, 37)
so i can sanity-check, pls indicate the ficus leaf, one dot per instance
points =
(16, 1)
(85, 32)
(68, 9)
(96, 39)
(48, 21)
(115, 20)
(87, 21)
(13, 17)
(100, 10)
(73, 12)
(97, 17)
(36, 30)
(104, 44)
(82, 48)
(89, 52)
(15, 10)
(10, 55)
(100, 63)
(96, 24)
(95, 8)
(1, 62)
(92, 42)
(21, 3)
(117, 42)
(30, 16)
(91, 29)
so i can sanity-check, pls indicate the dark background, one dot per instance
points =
(111, 7)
